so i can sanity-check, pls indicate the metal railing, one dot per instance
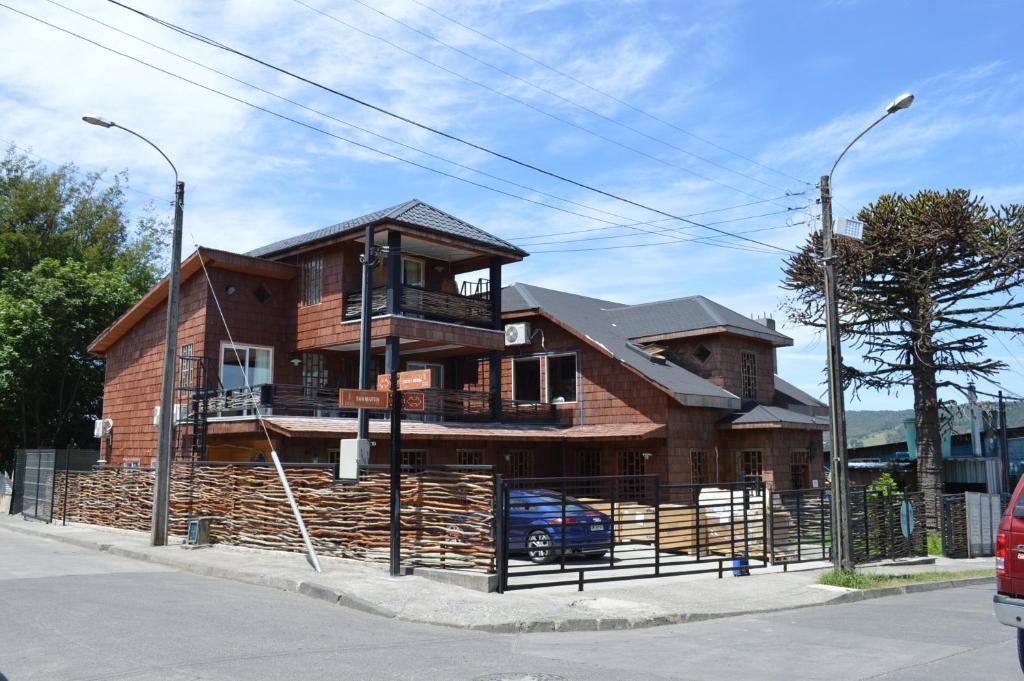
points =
(425, 303)
(459, 406)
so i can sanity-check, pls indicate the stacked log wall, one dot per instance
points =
(447, 516)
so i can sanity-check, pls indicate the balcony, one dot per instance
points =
(424, 303)
(440, 404)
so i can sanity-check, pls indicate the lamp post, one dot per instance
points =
(842, 552)
(161, 491)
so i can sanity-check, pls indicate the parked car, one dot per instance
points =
(1009, 599)
(543, 524)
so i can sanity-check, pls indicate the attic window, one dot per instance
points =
(262, 294)
(702, 353)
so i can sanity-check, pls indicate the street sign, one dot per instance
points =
(906, 518)
(407, 380)
(413, 402)
(349, 398)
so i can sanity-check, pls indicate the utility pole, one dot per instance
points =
(1004, 445)
(165, 442)
(972, 401)
(369, 260)
(842, 558)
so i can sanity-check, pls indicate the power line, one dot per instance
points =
(208, 41)
(610, 224)
(545, 90)
(707, 240)
(604, 93)
(320, 130)
(669, 230)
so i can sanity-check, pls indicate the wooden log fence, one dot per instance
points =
(447, 516)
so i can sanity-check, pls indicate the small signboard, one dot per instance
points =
(349, 398)
(407, 380)
(413, 402)
(906, 518)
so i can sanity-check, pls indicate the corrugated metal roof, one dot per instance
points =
(414, 212)
(688, 314)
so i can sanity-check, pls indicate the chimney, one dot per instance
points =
(770, 323)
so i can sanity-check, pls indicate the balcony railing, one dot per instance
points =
(440, 404)
(425, 303)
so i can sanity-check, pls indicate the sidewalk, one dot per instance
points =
(611, 605)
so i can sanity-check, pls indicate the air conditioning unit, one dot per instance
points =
(101, 428)
(517, 334)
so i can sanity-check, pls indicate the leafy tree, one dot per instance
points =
(70, 264)
(935, 276)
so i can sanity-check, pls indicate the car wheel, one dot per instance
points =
(1020, 648)
(538, 547)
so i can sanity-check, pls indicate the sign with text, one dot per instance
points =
(407, 380)
(349, 398)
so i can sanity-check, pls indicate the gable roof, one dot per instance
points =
(156, 296)
(762, 416)
(595, 320)
(413, 213)
(689, 314)
(794, 395)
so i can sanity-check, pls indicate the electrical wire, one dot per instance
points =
(604, 93)
(707, 240)
(213, 43)
(538, 109)
(340, 137)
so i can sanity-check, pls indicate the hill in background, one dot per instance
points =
(868, 428)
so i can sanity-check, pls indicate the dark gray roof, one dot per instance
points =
(591, 318)
(795, 395)
(763, 414)
(690, 314)
(414, 212)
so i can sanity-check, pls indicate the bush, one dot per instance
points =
(934, 544)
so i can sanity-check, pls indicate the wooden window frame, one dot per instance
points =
(748, 374)
(312, 280)
(546, 387)
(540, 378)
(701, 456)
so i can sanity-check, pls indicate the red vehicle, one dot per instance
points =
(1009, 599)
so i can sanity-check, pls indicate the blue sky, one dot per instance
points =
(745, 86)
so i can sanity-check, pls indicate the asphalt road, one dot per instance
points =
(70, 613)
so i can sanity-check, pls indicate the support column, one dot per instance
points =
(494, 363)
(392, 359)
(365, 323)
(394, 272)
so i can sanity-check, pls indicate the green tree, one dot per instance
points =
(934, 278)
(70, 264)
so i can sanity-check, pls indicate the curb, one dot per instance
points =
(327, 594)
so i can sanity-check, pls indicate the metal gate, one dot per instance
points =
(33, 483)
(801, 526)
(574, 530)
(877, 520)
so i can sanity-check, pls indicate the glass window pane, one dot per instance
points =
(562, 378)
(526, 379)
(231, 371)
(259, 366)
(412, 272)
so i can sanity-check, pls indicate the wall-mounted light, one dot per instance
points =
(439, 268)
(647, 455)
(295, 361)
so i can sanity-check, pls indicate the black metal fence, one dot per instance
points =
(574, 530)
(801, 526)
(35, 476)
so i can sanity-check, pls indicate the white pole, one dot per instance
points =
(310, 553)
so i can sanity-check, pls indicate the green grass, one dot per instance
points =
(934, 544)
(871, 580)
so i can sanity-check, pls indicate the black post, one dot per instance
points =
(392, 358)
(494, 363)
(64, 510)
(500, 541)
(1004, 444)
(657, 526)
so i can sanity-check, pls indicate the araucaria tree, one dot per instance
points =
(935, 277)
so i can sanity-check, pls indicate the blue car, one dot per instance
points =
(539, 527)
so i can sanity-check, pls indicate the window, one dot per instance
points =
(631, 464)
(800, 469)
(188, 360)
(526, 379)
(415, 459)
(520, 464)
(588, 465)
(262, 294)
(748, 367)
(312, 279)
(702, 353)
(314, 370)
(413, 272)
(245, 362)
(750, 466)
(470, 457)
(562, 378)
(698, 466)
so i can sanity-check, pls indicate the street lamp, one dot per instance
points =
(842, 552)
(161, 491)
